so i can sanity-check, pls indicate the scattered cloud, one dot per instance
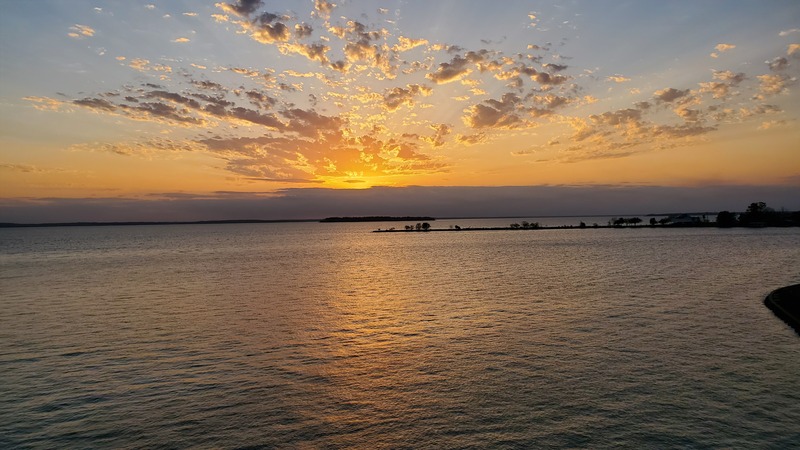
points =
(396, 97)
(80, 31)
(45, 103)
(772, 84)
(721, 48)
(332, 114)
(670, 94)
(618, 79)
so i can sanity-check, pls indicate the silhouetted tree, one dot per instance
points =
(634, 221)
(653, 221)
(726, 219)
(515, 226)
(426, 226)
(758, 214)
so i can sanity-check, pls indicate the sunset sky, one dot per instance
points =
(136, 103)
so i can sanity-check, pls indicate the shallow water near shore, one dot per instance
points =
(327, 335)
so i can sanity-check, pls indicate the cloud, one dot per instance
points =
(778, 64)
(554, 67)
(318, 52)
(96, 103)
(772, 84)
(472, 139)
(721, 48)
(396, 97)
(722, 89)
(793, 49)
(459, 66)
(180, 40)
(670, 94)
(405, 44)
(242, 8)
(267, 29)
(766, 125)
(21, 168)
(324, 8)
(45, 103)
(618, 79)
(450, 71)
(441, 131)
(144, 65)
(492, 113)
(302, 30)
(80, 31)
(329, 156)
(788, 32)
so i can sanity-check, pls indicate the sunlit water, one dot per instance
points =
(326, 335)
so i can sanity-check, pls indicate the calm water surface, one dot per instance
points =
(326, 335)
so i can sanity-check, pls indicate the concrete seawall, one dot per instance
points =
(785, 303)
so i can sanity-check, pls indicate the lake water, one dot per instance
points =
(310, 335)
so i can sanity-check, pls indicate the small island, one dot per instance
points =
(757, 215)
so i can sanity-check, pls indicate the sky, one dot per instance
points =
(190, 110)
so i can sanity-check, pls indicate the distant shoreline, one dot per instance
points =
(375, 219)
(125, 224)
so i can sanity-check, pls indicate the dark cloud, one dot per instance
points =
(619, 117)
(217, 101)
(681, 131)
(96, 103)
(555, 67)
(208, 85)
(472, 139)
(493, 113)
(266, 18)
(670, 94)
(249, 115)
(163, 110)
(396, 97)
(245, 7)
(260, 99)
(459, 66)
(449, 71)
(267, 32)
(778, 64)
(177, 98)
(302, 30)
(307, 122)
(548, 79)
